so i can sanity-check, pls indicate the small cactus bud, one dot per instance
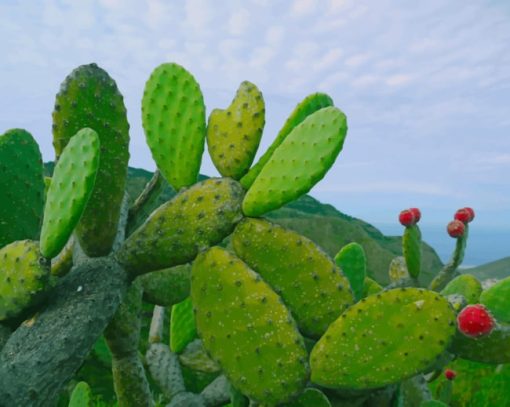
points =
(455, 228)
(465, 215)
(417, 214)
(450, 374)
(407, 217)
(475, 320)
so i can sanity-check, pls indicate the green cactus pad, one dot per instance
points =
(493, 348)
(299, 162)
(72, 184)
(173, 117)
(196, 218)
(24, 277)
(22, 186)
(89, 98)
(306, 278)
(182, 326)
(398, 269)
(81, 396)
(383, 339)
(195, 357)
(245, 327)
(306, 107)
(233, 134)
(310, 398)
(466, 285)
(371, 287)
(411, 247)
(353, 263)
(166, 287)
(497, 300)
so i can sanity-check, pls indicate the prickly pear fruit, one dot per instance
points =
(310, 398)
(450, 374)
(353, 263)
(173, 117)
(417, 214)
(245, 327)
(455, 228)
(22, 186)
(309, 282)
(24, 277)
(299, 162)
(466, 285)
(407, 218)
(411, 248)
(72, 184)
(233, 134)
(306, 107)
(475, 321)
(81, 396)
(497, 300)
(365, 347)
(182, 325)
(89, 98)
(465, 215)
(398, 269)
(166, 287)
(196, 218)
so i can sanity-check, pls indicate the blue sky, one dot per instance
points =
(425, 85)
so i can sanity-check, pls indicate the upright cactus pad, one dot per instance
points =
(306, 278)
(383, 339)
(246, 329)
(466, 285)
(196, 218)
(411, 247)
(22, 187)
(89, 98)
(306, 107)
(81, 396)
(233, 135)
(24, 277)
(182, 325)
(353, 263)
(173, 117)
(72, 184)
(299, 162)
(497, 300)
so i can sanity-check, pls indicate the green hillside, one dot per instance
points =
(495, 269)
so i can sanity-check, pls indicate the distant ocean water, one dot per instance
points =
(484, 244)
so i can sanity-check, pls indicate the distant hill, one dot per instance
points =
(495, 269)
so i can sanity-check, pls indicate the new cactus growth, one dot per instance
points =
(81, 396)
(352, 262)
(182, 325)
(411, 241)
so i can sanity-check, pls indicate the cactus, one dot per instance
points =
(496, 299)
(466, 285)
(370, 287)
(166, 287)
(352, 262)
(411, 245)
(398, 269)
(233, 135)
(81, 396)
(182, 325)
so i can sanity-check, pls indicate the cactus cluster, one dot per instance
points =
(266, 310)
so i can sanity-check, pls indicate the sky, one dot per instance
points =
(425, 85)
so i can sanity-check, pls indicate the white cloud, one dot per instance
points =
(329, 59)
(275, 34)
(303, 7)
(355, 61)
(398, 80)
(238, 22)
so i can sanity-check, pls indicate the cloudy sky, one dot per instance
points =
(425, 85)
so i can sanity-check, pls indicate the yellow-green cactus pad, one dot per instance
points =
(353, 263)
(81, 396)
(466, 285)
(22, 187)
(497, 300)
(173, 117)
(182, 325)
(306, 107)
(245, 327)
(310, 398)
(383, 339)
(299, 162)
(233, 134)
(196, 218)
(72, 184)
(371, 287)
(24, 277)
(166, 287)
(398, 269)
(307, 279)
(89, 98)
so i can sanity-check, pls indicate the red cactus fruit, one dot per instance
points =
(450, 374)
(465, 215)
(475, 320)
(456, 228)
(417, 214)
(406, 217)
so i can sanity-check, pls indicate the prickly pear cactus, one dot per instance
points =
(182, 325)
(81, 396)
(166, 287)
(497, 300)
(411, 247)
(371, 287)
(89, 97)
(398, 269)
(466, 285)
(353, 263)
(310, 398)
(246, 329)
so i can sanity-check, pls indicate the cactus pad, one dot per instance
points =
(196, 218)
(306, 107)
(411, 247)
(22, 186)
(70, 189)
(371, 287)
(233, 135)
(383, 339)
(246, 329)
(398, 269)
(166, 287)
(89, 98)
(182, 325)
(306, 278)
(310, 398)
(24, 277)
(353, 263)
(497, 300)
(81, 396)
(466, 285)
(173, 117)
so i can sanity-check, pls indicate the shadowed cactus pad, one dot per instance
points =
(466, 285)
(233, 134)
(196, 218)
(306, 278)
(383, 339)
(24, 277)
(166, 287)
(89, 98)
(173, 117)
(246, 329)
(70, 189)
(299, 162)
(398, 269)
(22, 187)
(310, 398)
